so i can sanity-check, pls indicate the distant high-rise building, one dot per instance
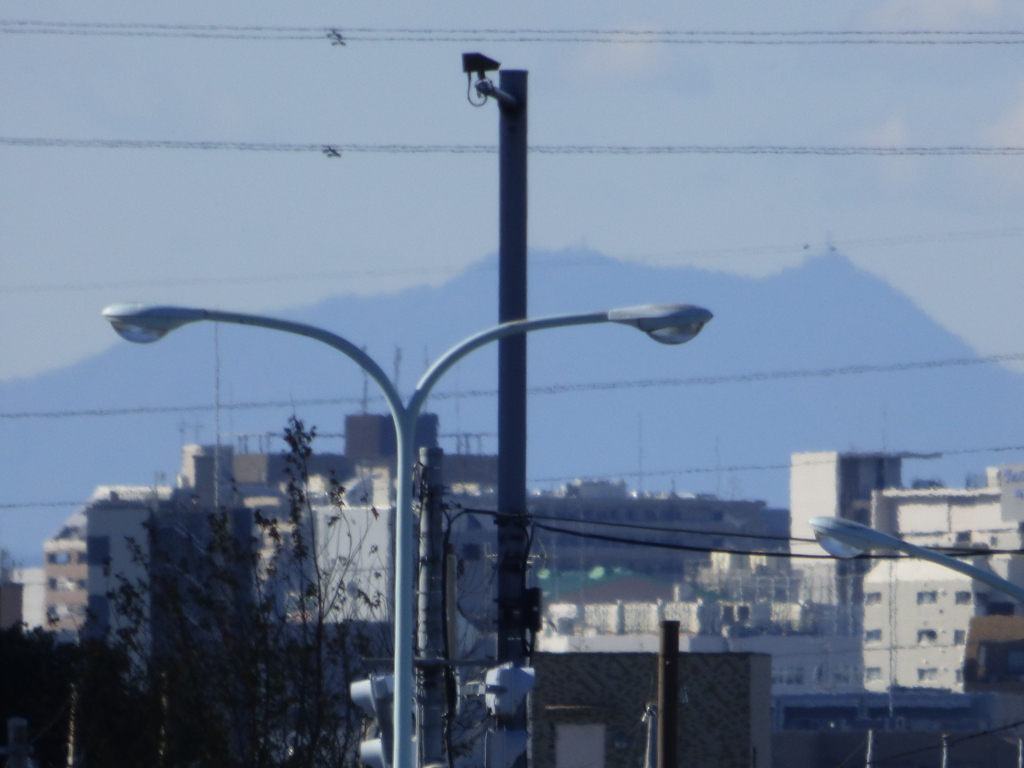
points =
(66, 570)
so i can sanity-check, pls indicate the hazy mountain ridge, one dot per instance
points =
(823, 314)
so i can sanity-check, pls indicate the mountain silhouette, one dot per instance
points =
(824, 314)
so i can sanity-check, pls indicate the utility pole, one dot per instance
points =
(432, 703)
(668, 695)
(512, 519)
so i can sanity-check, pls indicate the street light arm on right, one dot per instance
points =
(845, 538)
(665, 323)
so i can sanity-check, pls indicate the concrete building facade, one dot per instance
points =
(66, 571)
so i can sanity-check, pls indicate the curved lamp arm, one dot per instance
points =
(144, 324)
(474, 342)
(845, 538)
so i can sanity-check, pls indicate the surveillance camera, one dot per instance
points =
(477, 62)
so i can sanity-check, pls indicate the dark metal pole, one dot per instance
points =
(512, 520)
(668, 695)
(431, 609)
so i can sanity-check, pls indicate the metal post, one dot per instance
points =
(1020, 753)
(512, 537)
(405, 552)
(17, 742)
(651, 752)
(72, 717)
(869, 756)
(945, 750)
(431, 609)
(668, 695)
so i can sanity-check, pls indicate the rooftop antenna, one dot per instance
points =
(216, 416)
(718, 469)
(458, 410)
(398, 367)
(885, 428)
(364, 402)
(640, 454)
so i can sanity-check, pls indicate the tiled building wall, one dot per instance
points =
(724, 708)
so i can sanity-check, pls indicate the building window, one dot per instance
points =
(927, 636)
(873, 598)
(873, 673)
(83, 558)
(788, 676)
(959, 675)
(963, 598)
(845, 674)
(924, 598)
(873, 636)
(927, 674)
(999, 609)
(1015, 662)
(959, 636)
(59, 558)
(52, 584)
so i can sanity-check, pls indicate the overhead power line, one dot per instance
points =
(36, 504)
(650, 528)
(341, 35)
(663, 261)
(551, 389)
(338, 150)
(756, 552)
(759, 467)
(952, 743)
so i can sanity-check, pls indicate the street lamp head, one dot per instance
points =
(144, 325)
(665, 323)
(845, 538)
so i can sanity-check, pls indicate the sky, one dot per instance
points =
(266, 231)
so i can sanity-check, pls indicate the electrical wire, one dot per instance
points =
(949, 745)
(759, 553)
(694, 548)
(764, 467)
(561, 262)
(671, 529)
(34, 504)
(333, 150)
(342, 35)
(232, 280)
(559, 389)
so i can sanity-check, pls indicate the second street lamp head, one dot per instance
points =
(845, 538)
(665, 323)
(144, 325)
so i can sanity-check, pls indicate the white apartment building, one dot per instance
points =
(916, 614)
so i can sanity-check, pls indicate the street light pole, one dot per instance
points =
(666, 323)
